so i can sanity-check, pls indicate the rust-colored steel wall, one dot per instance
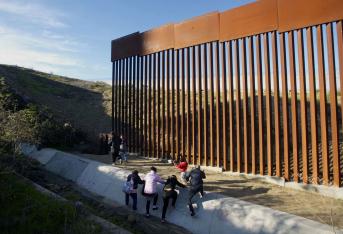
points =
(197, 30)
(157, 40)
(251, 19)
(125, 46)
(295, 14)
(252, 104)
(256, 89)
(199, 112)
(224, 105)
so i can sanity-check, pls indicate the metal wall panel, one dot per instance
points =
(295, 14)
(126, 46)
(157, 39)
(247, 20)
(196, 31)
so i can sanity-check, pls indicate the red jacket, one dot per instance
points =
(182, 166)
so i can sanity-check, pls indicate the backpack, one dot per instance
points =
(128, 186)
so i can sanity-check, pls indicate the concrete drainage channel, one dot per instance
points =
(113, 217)
(215, 213)
(105, 212)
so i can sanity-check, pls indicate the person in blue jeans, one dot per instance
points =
(135, 180)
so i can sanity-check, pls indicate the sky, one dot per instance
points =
(73, 38)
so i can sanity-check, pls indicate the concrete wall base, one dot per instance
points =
(328, 191)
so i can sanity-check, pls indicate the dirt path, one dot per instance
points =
(312, 206)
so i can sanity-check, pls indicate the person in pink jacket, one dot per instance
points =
(150, 189)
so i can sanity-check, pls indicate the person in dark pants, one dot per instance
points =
(135, 180)
(114, 143)
(170, 193)
(150, 189)
(196, 185)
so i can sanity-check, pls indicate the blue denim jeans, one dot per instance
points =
(134, 198)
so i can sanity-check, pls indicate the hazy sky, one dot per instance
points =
(72, 37)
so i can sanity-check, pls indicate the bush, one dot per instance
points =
(21, 126)
(8, 99)
(26, 122)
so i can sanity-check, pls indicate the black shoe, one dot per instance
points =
(155, 208)
(163, 221)
(192, 214)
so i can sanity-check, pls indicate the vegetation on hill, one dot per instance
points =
(42, 109)
(21, 122)
(54, 108)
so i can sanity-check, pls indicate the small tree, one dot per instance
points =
(21, 126)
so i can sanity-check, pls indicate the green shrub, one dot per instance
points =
(8, 99)
(26, 122)
(25, 210)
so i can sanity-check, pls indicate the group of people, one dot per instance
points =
(194, 178)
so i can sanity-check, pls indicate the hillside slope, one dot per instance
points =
(85, 105)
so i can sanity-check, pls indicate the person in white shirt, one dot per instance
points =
(150, 189)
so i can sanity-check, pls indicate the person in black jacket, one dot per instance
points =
(196, 185)
(135, 180)
(114, 144)
(169, 192)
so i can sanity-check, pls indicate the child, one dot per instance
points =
(122, 151)
(182, 166)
